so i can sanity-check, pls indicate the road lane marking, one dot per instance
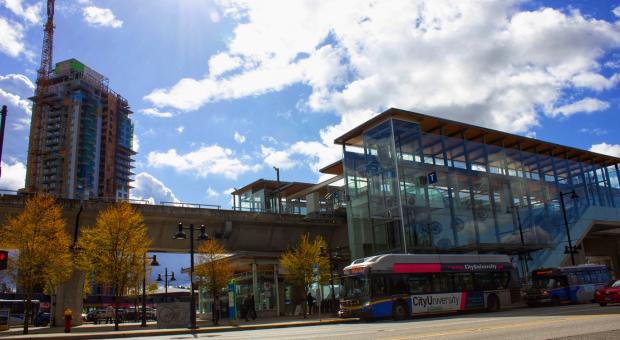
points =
(504, 326)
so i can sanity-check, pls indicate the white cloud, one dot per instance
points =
(606, 149)
(239, 138)
(149, 188)
(212, 193)
(214, 16)
(13, 176)
(180, 129)
(14, 91)
(280, 159)
(136, 143)
(595, 131)
(585, 105)
(100, 17)
(30, 14)
(207, 160)
(479, 62)
(11, 38)
(154, 112)
(616, 11)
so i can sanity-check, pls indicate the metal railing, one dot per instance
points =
(191, 205)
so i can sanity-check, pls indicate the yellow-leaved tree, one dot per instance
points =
(300, 260)
(113, 250)
(213, 270)
(42, 244)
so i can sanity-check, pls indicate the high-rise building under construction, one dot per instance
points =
(81, 138)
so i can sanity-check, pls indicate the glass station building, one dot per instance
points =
(421, 184)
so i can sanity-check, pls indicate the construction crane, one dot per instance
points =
(45, 69)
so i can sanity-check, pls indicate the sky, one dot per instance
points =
(224, 90)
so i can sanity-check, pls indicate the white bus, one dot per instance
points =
(401, 285)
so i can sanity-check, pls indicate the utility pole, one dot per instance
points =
(278, 189)
(3, 122)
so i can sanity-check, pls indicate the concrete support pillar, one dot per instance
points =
(277, 289)
(255, 282)
(69, 295)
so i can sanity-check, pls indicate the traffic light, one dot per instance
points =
(4, 259)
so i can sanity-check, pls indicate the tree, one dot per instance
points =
(113, 250)
(43, 257)
(299, 261)
(213, 269)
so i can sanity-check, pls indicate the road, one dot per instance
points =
(572, 322)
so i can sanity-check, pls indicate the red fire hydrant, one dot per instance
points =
(68, 317)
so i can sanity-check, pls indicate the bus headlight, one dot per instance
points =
(545, 293)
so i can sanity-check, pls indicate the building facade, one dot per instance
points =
(421, 184)
(81, 141)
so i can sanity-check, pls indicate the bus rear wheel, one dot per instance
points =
(492, 303)
(399, 312)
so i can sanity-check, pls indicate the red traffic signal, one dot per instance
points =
(4, 259)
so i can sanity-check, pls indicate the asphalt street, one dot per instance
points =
(587, 321)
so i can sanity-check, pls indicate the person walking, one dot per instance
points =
(246, 307)
(252, 307)
(310, 300)
(109, 314)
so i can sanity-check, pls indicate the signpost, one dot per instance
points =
(232, 302)
(315, 271)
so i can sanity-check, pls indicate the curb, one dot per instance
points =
(168, 332)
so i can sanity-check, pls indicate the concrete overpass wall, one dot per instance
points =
(238, 231)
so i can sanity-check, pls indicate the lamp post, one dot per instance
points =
(278, 190)
(521, 257)
(166, 276)
(331, 271)
(2, 124)
(154, 263)
(568, 249)
(181, 235)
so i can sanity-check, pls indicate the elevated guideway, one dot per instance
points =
(237, 230)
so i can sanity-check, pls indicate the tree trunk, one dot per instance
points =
(116, 301)
(27, 311)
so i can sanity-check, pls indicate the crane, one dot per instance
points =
(42, 85)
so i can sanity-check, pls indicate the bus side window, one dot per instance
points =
(586, 277)
(378, 286)
(463, 282)
(399, 284)
(484, 281)
(441, 283)
(572, 279)
(420, 284)
(501, 280)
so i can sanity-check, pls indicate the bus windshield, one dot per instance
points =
(549, 282)
(355, 287)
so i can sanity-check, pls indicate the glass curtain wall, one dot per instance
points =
(428, 192)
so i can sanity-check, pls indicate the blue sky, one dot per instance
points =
(224, 90)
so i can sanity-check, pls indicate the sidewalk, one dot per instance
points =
(90, 331)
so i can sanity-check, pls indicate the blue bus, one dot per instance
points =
(562, 285)
(399, 286)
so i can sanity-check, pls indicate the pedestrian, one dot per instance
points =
(109, 314)
(310, 300)
(246, 307)
(215, 311)
(252, 307)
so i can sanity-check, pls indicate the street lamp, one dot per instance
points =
(181, 235)
(166, 276)
(569, 249)
(328, 253)
(525, 258)
(154, 263)
(278, 190)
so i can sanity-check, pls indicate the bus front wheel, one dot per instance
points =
(399, 311)
(492, 303)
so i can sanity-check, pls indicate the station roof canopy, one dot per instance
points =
(451, 128)
(286, 188)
